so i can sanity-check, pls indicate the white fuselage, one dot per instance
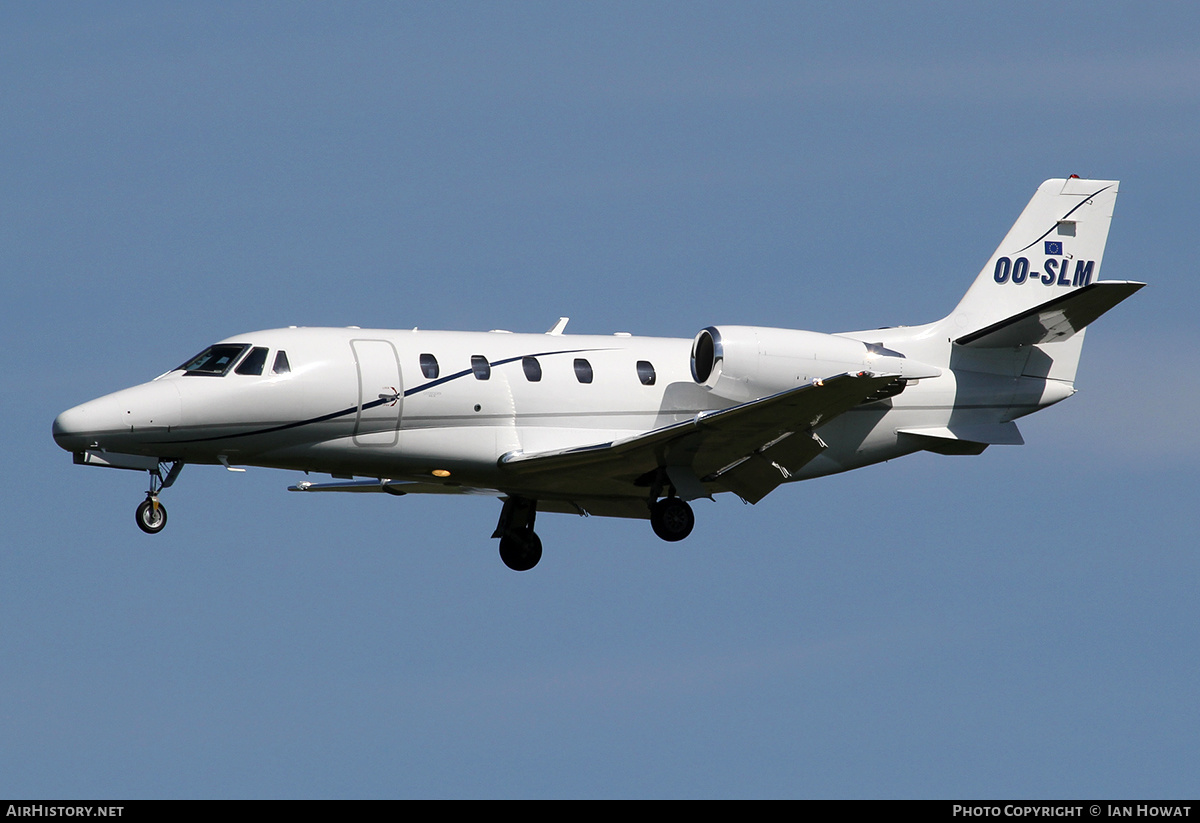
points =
(371, 403)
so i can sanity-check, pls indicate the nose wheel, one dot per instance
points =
(151, 516)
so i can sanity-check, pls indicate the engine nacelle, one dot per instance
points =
(743, 363)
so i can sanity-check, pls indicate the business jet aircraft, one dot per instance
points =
(624, 426)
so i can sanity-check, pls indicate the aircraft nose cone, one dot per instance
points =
(119, 421)
(77, 428)
(65, 430)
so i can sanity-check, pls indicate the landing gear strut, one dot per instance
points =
(151, 515)
(520, 547)
(672, 519)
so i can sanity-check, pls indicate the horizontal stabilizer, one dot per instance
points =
(1054, 320)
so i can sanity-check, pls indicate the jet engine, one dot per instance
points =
(743, 363)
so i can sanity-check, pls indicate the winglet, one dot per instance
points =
(558, 327)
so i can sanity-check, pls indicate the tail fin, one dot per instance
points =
(1055, 246)
(1041, 286)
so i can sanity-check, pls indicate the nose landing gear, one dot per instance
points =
(151, 515)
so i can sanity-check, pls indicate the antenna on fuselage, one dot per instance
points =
(558, 327)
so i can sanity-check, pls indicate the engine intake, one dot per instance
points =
(706, 354)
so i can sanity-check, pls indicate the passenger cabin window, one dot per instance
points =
(479, 365)
(253, 362)
(533, 369)
(281, 363)
(645, 372)
(429, 366)
(215, 360)
(583, 370)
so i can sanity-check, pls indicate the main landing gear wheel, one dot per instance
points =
(672, 519)
(520, 550)
(151, 516)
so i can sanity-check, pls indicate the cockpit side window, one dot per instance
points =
(215, 360)
(281, 363)
(254, 362)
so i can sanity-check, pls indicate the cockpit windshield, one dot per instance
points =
(215, 360)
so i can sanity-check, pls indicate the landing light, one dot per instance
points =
(440, 473)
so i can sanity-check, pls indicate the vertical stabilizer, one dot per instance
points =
(1055, 247)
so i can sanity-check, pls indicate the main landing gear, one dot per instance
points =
(520, 547)
(521, 550)
(151, 515)
(672, 519)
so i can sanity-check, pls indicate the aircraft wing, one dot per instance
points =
(748, 449)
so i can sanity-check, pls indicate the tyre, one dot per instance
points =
(521, 551)
(672, 519)
(151, 519)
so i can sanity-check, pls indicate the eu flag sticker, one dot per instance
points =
(1053, 248)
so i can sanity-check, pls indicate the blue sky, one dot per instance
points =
(1018, 624)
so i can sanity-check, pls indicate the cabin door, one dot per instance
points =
(380, 393)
